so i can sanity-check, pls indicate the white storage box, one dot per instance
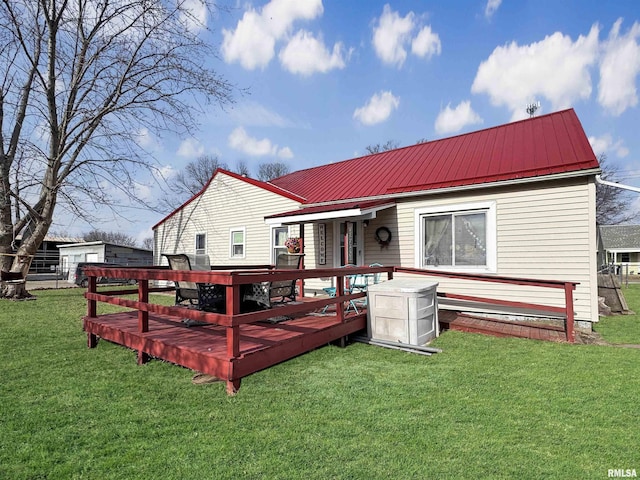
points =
(403, 310)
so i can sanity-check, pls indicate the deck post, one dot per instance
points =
(92, 312)
(143, 297)
(340, 306)
(143, 317)
(92, 304)
(233, 337)
(233, 386)
(568, 300)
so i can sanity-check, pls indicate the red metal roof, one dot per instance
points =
(545, 145)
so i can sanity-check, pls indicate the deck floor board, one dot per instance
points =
(204, 348)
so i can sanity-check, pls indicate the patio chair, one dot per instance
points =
(203, 296)
(264, 293)
(361, 282)
(355, 283)
(348, 288)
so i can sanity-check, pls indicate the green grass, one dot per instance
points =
(623, 329)
(484, 408)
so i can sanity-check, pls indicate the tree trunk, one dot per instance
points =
(17, 288)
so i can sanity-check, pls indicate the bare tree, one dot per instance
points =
(377, 148)
(118, 238)
(191, 180)
(269, 171)
(612, 204)
(79, 81)
(242, 168)
(148, 243)
(197, 173)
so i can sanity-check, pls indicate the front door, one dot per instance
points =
(350, 248)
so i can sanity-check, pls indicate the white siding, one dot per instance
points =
(543, 232)
(228, 203)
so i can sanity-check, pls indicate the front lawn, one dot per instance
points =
(484, 408)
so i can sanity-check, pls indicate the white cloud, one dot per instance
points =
(194, 15)
(165, 172)
(254, 114)
(555, 68)
(142, 191)
(240, 140)
(252, 43)
(305, 55)
(426, 43)
(451, 120)
(147, 140)
(190, 148)
(377, 109)
(393, 34)
(605, 144)
(491, 8)
(619, 68)
(285, 152)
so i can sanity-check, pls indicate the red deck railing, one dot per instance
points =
(566, 311)
(234, 361)
(234, 365)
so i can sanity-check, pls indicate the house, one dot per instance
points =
(619, 245)
(513, 200)
(100, 252)
(225, 220)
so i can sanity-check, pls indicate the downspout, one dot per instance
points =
(617, 185)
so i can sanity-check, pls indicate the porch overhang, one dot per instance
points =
(320, 213)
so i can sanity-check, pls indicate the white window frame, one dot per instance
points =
(489, 207)
(273, 242)
(200, 251)
(244, 242)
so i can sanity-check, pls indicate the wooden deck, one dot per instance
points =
(204, 348)
(235, 343)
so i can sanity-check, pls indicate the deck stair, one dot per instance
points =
(463, 322)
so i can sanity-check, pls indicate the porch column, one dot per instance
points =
(300, 281)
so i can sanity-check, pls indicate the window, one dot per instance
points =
(201, 243)
(237, 243)
(461, 238)
(624, 257)
(279, 235)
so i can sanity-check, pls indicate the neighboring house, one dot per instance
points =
(100, 252)
(619, 245)
(515, 200)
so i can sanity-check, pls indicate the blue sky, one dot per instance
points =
(325, 79)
